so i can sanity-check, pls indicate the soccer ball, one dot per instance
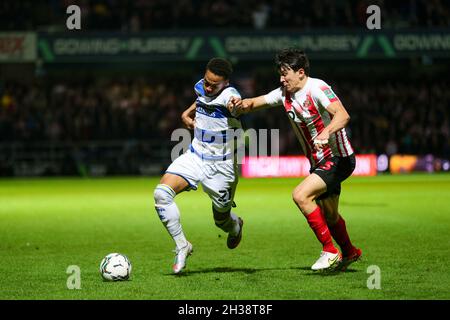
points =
(115, 267)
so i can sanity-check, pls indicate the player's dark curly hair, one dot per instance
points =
(292, 58)
(220, 67)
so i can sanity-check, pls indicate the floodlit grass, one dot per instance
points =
(402, 224)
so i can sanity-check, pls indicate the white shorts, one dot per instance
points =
(218, 178)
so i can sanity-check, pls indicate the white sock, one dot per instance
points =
(169, 213)
(173, 225)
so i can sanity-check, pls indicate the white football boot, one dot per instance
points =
(181, 256)
(327, 261)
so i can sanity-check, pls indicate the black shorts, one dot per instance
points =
(333, 171)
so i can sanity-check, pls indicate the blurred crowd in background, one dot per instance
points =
(389, 117)
(148, 15)
(402, 115)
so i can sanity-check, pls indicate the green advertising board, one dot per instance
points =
(100, 47)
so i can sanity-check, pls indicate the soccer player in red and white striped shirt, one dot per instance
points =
(318, 119)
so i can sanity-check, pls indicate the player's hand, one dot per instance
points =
(237, 106)
(188, 121)
(321, 141)
(233, 105)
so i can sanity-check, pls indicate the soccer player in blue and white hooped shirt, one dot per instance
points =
(209, 161)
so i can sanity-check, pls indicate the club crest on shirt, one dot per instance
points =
(307, 104)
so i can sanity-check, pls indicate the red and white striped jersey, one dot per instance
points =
(307, 111)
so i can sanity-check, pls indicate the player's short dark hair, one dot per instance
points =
(220, 67)
(292, 58)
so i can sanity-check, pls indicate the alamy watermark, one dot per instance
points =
(74, 278)
(228, 144)
(73, 22)
(374, 280)
(374, 20)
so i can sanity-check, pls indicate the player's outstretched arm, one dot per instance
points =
(239, 106)
(188, 117)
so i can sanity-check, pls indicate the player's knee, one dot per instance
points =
(301, 198)
(163, 195)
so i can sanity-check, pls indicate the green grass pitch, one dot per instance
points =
(402, 224)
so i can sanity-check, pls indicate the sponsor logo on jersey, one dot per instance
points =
(330, 94)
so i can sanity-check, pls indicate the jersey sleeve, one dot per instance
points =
(323, 95)
(198, 88)
(228, 93)
(274, 97)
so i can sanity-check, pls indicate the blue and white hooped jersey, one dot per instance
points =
(213, 121)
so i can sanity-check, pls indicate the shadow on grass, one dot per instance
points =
(224, 270)
(254, 270)
(325, 273)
